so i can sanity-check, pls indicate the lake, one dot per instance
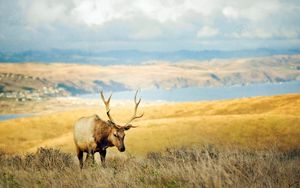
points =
(207, 93)
(196, 94)
(12, 116)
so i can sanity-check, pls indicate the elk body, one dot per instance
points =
(92, 134)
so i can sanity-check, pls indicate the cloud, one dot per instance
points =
(147, 33)
(98, 12)
(45, 12)
(265, 34)
(207, 31)
(44, 24)
(230, 12)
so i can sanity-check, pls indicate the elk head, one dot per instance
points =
(117, 132)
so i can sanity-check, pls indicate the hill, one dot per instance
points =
(77, 78)
(131, 57)
(256, 123)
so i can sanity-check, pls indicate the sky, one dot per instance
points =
(149, 25)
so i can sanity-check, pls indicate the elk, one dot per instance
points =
(92, 134)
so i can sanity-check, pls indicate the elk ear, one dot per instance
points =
(111, 123)
(127, 127)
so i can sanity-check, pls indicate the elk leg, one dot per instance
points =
(87, 158)
(80, 157)
(93, 158)
(90, 156)
(103, 154)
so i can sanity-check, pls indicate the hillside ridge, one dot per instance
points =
(239, 121)
(76, 79)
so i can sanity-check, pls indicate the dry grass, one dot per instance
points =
(186, 167)
(193, 73)
(252, 142)
(256, 123)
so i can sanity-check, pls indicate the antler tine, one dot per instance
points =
(107, 105)
(137, 103)
(135, 109)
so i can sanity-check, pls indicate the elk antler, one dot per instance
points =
(107, 105)
(135, 109)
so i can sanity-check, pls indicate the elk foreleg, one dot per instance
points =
(102, 155)
(90, 157)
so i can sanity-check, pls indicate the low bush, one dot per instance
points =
(186, 167)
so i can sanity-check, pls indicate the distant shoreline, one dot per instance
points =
(208, 93)
(134, 57)
(4, 117)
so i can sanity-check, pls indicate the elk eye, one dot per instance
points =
(115, 135)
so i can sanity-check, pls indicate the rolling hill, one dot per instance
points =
(79, 78)
(131, 57)
(256, 123)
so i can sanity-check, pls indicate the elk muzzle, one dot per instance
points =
(121, 148)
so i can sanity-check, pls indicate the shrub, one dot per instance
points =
(186, 167)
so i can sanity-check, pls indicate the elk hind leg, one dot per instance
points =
(80, 157)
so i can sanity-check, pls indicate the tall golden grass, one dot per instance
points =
(253, 142)
(186, 167)
(257, 123)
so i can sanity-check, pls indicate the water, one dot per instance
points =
(12, 116)
(196, 94)
(207, 93)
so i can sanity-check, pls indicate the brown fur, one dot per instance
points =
(106, 134)
(92, 134)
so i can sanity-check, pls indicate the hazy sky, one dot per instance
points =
(149, 24)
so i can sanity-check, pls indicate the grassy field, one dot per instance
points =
(186, 167)
(255, 123)
(252, 142)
